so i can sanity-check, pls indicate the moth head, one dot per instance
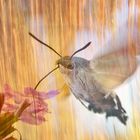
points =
(65, 62)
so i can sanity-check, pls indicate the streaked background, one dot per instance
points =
(67, 25)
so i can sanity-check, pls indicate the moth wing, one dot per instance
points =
(113, 69)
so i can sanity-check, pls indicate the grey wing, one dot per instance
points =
(113, 69)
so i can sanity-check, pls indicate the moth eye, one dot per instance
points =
(70, 66)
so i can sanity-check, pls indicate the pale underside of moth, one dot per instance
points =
(93, 81)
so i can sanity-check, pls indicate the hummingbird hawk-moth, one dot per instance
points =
(93, 81)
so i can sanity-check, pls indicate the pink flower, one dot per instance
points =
(35, 112)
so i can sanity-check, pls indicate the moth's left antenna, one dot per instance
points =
(44, 44)
(81, 49)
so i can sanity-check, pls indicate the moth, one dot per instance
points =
(93, 81)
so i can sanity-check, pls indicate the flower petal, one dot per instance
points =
(10, 94)
(42, 95)
(22, 108)
(31, 119)
(37, 106)
(7, 107)
(48, 95)
(8, 90)
(30, 91)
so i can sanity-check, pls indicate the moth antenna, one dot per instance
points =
(45, 77)
(44, 44)
(81, 49)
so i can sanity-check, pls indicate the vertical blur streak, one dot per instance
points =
(65, 25)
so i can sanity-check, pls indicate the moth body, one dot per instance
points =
(81, 79)
(94, 81)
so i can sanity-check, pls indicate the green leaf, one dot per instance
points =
(8, 131)
(6, 121)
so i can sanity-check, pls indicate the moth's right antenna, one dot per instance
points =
(81, 49)
(44, 44)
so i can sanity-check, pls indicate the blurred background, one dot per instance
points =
(67, 25)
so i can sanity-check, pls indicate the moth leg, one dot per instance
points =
(92, 107)
(79, 99)
(118, 102)
(83, 103)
